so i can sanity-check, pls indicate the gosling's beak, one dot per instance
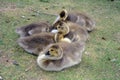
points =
(52, 28)
(48, 53)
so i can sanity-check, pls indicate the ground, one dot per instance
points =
(101, 59)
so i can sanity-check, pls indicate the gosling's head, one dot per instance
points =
(61, 18)
(63, 29)
(54, 26)
(54, 52)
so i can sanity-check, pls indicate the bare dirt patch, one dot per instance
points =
(8, 7)
(5, 59)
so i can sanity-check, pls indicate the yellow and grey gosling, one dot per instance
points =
(58, 56)
(33, 28)
(37, 42)
(76, 17)
(72, 31)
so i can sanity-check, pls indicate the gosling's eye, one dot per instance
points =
(59, 27)
(51, 50)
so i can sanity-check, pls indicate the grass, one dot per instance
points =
(101, 59)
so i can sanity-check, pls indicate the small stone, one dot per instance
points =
(103, 38)
(7, 60)
(22, 16)
(15, 63)
(1, 78)
(106, 17)
(33, 15)
(28, 19)
(46, 8)
(113, 60)
(87, 53)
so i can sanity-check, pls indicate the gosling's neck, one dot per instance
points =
(66, 40)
